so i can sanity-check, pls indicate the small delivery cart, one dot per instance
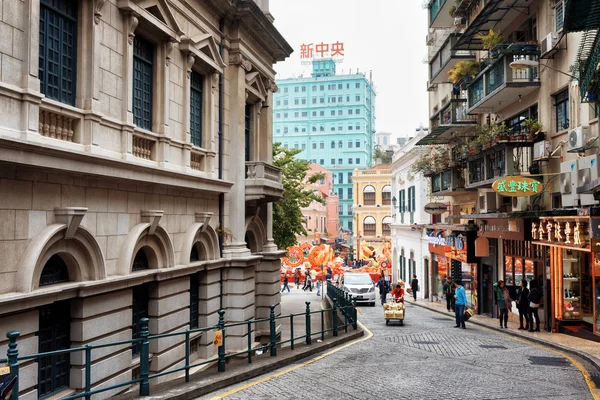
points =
(394, 310)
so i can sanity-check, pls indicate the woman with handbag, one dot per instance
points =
(523, 305)
(535, 299)
(504, 302)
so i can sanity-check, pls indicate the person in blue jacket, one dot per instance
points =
(459, 304)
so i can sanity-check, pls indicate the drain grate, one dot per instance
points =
(425, 342)
(491, 346)
(549, 361)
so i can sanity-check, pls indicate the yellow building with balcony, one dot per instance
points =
(372, 204)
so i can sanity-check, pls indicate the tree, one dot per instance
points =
(386, 156)
(287, 213)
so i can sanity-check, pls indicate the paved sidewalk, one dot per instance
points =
(586, 349)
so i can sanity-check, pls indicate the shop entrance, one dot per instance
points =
(487, 289)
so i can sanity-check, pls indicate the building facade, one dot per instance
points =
(410, 194)
(122, 195)
(511, 109)
(321, 220)
(372, 207)
(331, 118)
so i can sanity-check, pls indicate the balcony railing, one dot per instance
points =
(498, 77)
(499, 161)
(263, 181)
(440, 63)
(438, 14)
(447, 181)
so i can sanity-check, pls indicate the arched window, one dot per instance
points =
(369, 226)
(369, 196)
(386, 195)
(386, 230)
(140, 262)
(55, 271)
(194, 254)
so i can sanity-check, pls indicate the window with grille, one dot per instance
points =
(196, 85)
(386, 195)
(559, 14)
(54, 334)
(194, 299)
(386, 229)
(58, 49)
(561, 107)
(143, 60)
(139, 310)
(55, 271)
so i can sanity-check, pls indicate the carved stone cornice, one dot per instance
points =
(189, 62)
(132, 23)
(239, 60)
(169, 50)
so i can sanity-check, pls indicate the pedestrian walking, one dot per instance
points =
(297, 278)
(414, 285)
(460, 303)
(319, 286)
(535, 299)
(504, 302)
(448, 291)
(306, 281)
(285, 283)
(523, 305)
(383, 288)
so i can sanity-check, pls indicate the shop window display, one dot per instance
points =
(571, 285)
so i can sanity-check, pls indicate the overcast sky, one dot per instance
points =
(383, 36)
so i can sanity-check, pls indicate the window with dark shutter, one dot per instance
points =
(58, 49)
(194, 299)
(196, 86)
(143, 60)
(139, 310)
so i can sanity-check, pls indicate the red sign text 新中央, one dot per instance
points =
(321, 50)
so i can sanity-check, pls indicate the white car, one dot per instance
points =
(360, 286)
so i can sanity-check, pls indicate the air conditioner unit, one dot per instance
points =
(568, 180)
(460, 21)
(429, 39)
(578, 138)
(487, 202)
(548, 43)
(520, 204)
(589, 170)
(541, 149)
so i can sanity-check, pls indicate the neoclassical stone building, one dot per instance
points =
(135, 179)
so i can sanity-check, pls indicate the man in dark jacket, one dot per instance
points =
(535, 299)
(523, 305)
(383, 288)
(449, 293)
(414, 285)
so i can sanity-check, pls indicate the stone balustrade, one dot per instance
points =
(56, 126)
(143, 147)
(197, 161)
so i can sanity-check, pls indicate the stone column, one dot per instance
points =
(236, 167)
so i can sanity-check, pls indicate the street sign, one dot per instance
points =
(218, 338)
(517, 186)
(435, 208)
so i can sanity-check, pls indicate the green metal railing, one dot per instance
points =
(345, 302)
(340, 304)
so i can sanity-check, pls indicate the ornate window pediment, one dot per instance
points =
(255, 85)
(157, 13)
(203, 47)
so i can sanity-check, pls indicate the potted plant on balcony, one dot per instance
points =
(464, 70)
(490, 41)
(530, 47)
(534, 128)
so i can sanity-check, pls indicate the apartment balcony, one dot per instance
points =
(501, 160)
(445, 58)
(452, 118)
(439, 16)
(448, 183)
(498, 85)
(263, 182)
(495, 14)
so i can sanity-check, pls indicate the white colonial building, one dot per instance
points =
(135, 180)
(410, 251)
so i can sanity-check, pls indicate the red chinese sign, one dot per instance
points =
(311, 50)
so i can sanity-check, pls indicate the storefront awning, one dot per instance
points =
(581, 15)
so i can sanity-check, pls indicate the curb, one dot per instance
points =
(203, 385)
(589, 358)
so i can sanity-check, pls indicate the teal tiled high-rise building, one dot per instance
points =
(331, 118)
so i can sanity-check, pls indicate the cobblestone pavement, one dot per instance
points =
(426, 359)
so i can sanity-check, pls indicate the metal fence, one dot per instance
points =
(341, 304)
